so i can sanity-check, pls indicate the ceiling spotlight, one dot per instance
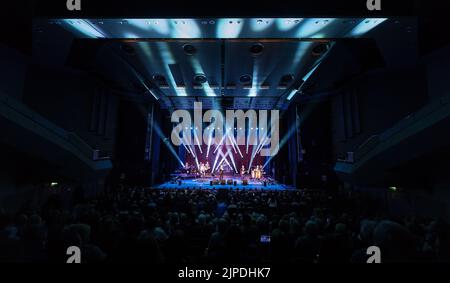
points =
(256, 49)
(319, 49)
(200, 78)
(128, 49)
(189, 49)
(245, 79)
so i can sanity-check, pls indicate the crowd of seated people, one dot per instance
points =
(142, 225)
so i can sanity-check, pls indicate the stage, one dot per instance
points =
(231, 182)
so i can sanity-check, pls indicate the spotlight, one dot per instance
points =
(245, 79)
(319, 49)
(189, 49)
(200, 78)
(256, 49)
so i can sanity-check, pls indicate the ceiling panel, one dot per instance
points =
(216, 27)
(277, 60)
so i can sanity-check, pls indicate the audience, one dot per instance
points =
(129, 225)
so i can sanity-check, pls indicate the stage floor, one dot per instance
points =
(204, 183)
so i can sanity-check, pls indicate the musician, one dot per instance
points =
(186, 167)
(258, 172)
(207, 167)
(242, 171)
(221, 172)
(201, 168)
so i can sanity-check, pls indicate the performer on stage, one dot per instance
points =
(202, 169)
(242, 171)
(186, 167)
(257, 172)
(221, 172)
(207, 166)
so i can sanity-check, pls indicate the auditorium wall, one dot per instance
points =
(13, 68)
(372, 103)
(438, 70)
(379, 109)
(76, 102)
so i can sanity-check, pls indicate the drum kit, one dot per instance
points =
(257, 173)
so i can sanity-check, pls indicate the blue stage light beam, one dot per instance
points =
(229, 28)
(198, 69)
(222, 140)
(287, 23)
(198, 142)
(224, 159)
(232, 143)
(259, 25)
(365, 26)
(185, 28)
(311, 28)
(84, 27)
(209, 144)
(255, 85)
(166, 141)
(292, 130)
(237, 146)
(167, 58)
(232, 161)
(215, 161)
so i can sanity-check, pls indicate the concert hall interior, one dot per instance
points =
(174, 139)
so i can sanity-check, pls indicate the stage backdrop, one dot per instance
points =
(217, 154)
